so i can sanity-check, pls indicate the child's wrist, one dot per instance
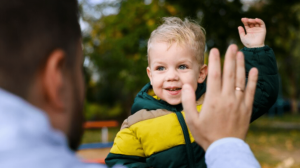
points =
(255, 46)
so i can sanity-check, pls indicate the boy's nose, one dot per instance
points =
(172, 76)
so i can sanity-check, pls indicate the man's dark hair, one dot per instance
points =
(29, 31)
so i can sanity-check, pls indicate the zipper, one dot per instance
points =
(188, 144)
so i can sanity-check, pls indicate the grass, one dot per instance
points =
(275, 141)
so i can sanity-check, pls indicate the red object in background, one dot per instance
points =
(100, 124)
(103, 125)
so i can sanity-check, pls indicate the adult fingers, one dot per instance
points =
(229, 70)
(250, 89)
(214, 73)
(188, 100)
(240, 76)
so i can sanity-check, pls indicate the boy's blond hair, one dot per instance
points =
(174, 30)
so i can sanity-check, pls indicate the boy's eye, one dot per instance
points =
(182, 67)
(160, 68)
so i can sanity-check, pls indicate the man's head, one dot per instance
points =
(176, 57)
(41, 59)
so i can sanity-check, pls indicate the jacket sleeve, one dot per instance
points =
(127, 150)
(230, 152)
(268, 81)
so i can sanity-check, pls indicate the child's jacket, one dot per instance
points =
(156, 135)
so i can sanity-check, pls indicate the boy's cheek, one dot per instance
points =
(157, 80)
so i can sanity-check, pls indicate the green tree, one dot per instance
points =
(117, 46)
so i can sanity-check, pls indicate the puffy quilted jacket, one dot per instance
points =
(156, 135)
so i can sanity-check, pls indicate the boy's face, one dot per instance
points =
(170, 68)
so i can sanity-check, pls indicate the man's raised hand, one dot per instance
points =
(227, 106)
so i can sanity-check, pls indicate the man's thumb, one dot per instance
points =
(188, 100)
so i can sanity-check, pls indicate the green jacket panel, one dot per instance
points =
(268, 81)
(128, 161)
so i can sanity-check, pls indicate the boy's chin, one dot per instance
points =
(173, 102)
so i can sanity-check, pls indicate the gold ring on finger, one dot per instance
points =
(239, 89)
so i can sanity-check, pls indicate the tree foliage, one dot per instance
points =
(116, 44)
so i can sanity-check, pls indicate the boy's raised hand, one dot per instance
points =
(227, 106)
(255, 33)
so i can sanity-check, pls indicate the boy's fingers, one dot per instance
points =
(260, 22)
(188, 100)
(229, 70)
(241, 31)
(214, 73)
(250, 89)
(251, 21)
(245, 22)
(240, 76)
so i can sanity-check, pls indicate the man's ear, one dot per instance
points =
(149, 74)
(202, 74)
(52, 79)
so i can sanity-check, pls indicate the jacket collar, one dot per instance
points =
(144, 101)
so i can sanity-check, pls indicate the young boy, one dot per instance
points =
(155, 135)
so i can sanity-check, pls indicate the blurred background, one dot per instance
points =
(115, 34)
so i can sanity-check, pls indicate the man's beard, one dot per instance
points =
(77, 120)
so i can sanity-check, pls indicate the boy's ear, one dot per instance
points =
(149, 74)
(202, 74)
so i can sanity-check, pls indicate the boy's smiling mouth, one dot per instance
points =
(173, 90)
